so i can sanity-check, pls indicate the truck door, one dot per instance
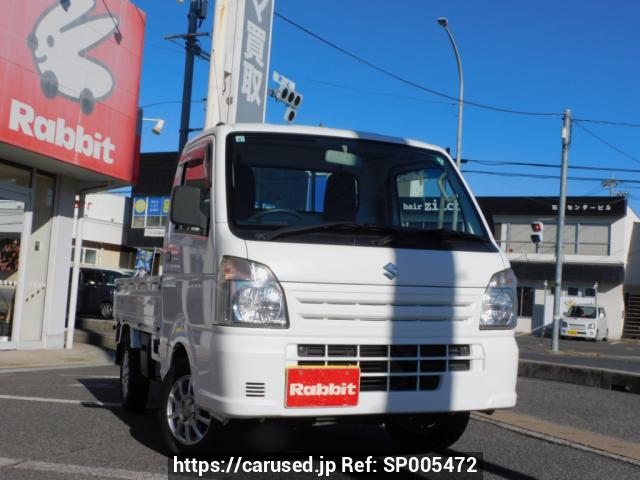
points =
(188, 264)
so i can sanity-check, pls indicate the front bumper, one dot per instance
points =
(249, 378)
(583, 333)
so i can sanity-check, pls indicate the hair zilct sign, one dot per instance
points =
(69, 81)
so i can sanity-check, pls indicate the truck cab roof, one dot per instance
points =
(312, 130)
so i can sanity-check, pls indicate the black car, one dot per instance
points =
(95, 290)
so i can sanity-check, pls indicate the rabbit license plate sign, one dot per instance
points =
(70, 76)
(322, 386)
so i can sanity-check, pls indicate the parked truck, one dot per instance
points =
(315, 274)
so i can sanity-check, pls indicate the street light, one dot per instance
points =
(444, 23)
(157, 128)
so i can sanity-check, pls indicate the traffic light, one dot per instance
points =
(291, 98)
(286, 93)
(537, 228)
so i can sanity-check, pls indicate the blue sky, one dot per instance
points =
(541, 56)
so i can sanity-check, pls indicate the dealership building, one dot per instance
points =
(68, 123)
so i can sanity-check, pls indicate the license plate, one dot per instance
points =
(572, 332)
(322, 387)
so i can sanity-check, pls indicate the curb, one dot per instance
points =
(55, 366)
(587, 376)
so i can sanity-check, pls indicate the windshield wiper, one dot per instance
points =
(441, 233)
(347, 225)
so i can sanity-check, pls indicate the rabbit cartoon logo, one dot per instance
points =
(61, 41)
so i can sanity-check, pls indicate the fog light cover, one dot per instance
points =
(500, 302)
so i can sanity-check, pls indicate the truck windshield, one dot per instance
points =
(305, 188)
(582, 312)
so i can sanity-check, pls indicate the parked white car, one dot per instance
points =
(585, 321)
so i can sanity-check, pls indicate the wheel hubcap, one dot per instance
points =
(188, 423)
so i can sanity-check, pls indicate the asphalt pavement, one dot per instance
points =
(67, 424)
(623, 356)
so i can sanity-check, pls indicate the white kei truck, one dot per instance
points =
(315, 275)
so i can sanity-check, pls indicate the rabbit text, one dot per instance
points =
(24, 119)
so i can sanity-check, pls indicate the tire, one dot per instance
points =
(134, 387)
(106, 310)
(606, 335)
(428, 432)
(186, 429)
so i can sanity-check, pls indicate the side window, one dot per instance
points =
(601, 312)
(428, 198)
(195, 174)
(93, 277)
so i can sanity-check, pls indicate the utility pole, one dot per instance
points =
(197, 12)
(557, 300)
(610, 184)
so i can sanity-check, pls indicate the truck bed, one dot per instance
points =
(137, 301)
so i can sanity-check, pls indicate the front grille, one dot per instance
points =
(391, 367)
(342, 350)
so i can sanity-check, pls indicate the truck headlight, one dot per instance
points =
(249, 295)
(563, 324)
(591, 326)
(500, 302)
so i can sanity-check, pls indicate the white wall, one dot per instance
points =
(105, 218)
(58, 275)
(107, 207)
(632, 239)
(618, 240)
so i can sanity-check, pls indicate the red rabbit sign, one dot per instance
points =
(322, 386)
(69, 81)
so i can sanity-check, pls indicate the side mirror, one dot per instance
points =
(185, 207)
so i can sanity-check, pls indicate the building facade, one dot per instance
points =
(150, 200)
(67, 126)
(600, 256)
(106, 220)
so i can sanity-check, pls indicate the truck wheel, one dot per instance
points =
(106, 310)
(185, 427)
(134, 387)
(428, 432)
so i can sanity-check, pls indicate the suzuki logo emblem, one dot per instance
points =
(391, 271)
(61, 41)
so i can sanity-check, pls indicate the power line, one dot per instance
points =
(546, 177)
(406, 81)
(610, 145)
(170, 102)
(608, 122)
(550, 165)
(435, 92)
(372, 92)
